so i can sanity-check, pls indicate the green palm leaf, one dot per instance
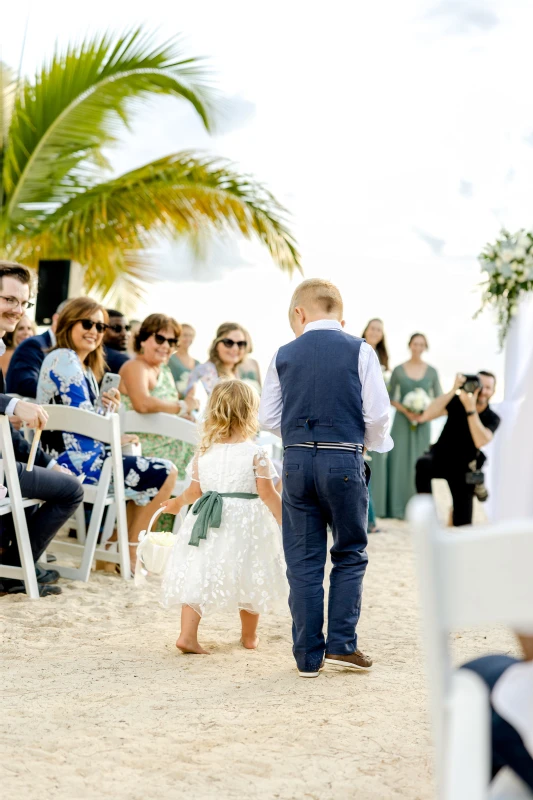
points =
(76, 106)
(180, 195)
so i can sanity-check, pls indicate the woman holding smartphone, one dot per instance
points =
(70, 375)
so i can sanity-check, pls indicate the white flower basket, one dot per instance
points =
(153, 550)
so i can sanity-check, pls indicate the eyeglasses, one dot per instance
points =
(89, 324)
(162, 339)
(229, 343)
(119, 328)
(13, 302)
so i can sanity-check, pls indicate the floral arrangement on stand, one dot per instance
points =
(509, 267)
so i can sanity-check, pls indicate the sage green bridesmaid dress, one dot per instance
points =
(409, 443)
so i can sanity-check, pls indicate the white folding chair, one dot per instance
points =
(478, 576)
(106, 430)
(164, 425)
(15, 505)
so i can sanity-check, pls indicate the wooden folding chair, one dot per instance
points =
(473, 577)
(15, 504)
(106, 430)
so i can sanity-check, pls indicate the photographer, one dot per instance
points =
(456, 456)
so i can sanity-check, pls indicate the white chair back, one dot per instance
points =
(168, 425)
(472, 577)
(162, 424)
(106, 430)
(15, 505)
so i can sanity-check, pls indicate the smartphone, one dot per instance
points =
(110, 381)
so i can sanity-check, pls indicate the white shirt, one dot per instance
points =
(376, 402)
(512, 697)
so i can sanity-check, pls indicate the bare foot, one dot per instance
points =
(187, 646)
(250, 642)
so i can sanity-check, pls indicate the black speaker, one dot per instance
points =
(53, 288)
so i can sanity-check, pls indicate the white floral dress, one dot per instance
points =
(64, 380)
(239, 565)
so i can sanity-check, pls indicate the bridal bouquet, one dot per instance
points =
(416, 402)
(509, 267)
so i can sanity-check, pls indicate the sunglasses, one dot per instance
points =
(119, 328)
(162, 339)
(88, 325)
(229, 343)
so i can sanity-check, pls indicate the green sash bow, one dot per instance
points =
(208, 509)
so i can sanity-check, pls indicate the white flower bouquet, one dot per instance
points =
(509, 267)
(416, 402)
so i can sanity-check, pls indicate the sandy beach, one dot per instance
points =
(98, 703)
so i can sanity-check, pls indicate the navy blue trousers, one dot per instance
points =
(321, 488)
(508, 749)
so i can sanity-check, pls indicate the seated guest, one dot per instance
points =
(25, 328)
(25, 364)
(227, 352)
(70, 375)
(60, 491)
(149, 387)
(181, 363)
(510, 683)
(248, 371)
(116, 341)
(135, 325)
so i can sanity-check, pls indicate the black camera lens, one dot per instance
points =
(471, 384)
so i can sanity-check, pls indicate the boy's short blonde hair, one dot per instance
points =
(320, 294)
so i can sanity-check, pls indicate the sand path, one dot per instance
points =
(98, 703)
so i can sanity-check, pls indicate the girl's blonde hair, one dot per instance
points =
(232, 408)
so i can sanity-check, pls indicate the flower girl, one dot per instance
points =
(228, 553)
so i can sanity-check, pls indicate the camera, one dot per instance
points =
(477, 478)
(471, 384)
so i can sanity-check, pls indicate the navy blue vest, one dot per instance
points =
(320, 387)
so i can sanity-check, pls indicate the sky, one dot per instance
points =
(399, 136)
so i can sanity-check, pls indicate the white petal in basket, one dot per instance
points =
(153, 550)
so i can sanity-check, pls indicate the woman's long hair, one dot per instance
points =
(222, 332)
(381, 347)
(233, 407)
(81, 308)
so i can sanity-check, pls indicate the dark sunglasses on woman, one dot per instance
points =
(119, 328)
(229, 343)
(89, 324)
(162, 339)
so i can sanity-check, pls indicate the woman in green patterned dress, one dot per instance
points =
(411, 438)
(147, 387)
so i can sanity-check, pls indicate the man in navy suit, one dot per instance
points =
(116, 339)
(25, 366)
(61, 492)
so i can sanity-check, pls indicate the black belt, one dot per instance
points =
(348, 447)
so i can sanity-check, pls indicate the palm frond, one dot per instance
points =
(177, 196)
(76, 105)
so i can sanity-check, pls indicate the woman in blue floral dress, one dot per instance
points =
(69, 376)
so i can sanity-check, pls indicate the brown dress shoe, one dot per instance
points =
(356, 660)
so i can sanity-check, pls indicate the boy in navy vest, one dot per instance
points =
(325, 395)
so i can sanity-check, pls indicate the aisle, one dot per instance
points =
(97, 702)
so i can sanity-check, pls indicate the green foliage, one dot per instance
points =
(55, 199)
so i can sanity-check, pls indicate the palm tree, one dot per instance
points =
(56, 197)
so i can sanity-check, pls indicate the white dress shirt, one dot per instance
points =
(512, 697)
(376, 402)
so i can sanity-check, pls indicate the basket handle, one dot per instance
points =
(149, 529)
